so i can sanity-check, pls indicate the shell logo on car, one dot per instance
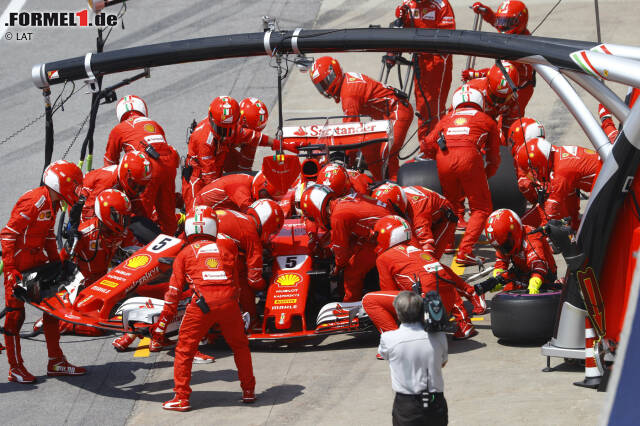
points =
(212, 263)
(460, 121)
(138, 261)
(288, 279)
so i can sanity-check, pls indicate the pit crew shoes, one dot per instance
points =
(156, 345)
(465, 330)
(20, 374)
(201, 358)
(248, 396)
(62, 367)
(177, 404)
(123, 342)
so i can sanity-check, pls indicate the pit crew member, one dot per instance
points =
(361, 95)
(528, 253)
(251, 232)
(432, 76)
(523, 130)
(253, 116)
(564, 170)
(131, 176)
(210, 143)
(400, 265)
(433, 226)
(511, 17)
(207, 264)
(28, 241)
(137, 132)
(350, 220)
(457, 143)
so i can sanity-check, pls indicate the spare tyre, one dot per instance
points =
(420, 173)
(505, 193)
(520, 317)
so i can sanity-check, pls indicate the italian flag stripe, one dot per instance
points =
(578, 59)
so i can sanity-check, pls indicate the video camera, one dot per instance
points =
(435, 315)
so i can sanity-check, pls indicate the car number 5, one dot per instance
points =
(291, 262)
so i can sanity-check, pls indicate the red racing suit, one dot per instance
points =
(574, 168)
(399, 267)
(432, 79)
(98, 180)
(208, 153)
(461, 168)
(141, 133)
(28, 241)
(432, 219)
(360, 182)
(352, 219)
(209, 268)
(504, 113)
(362, 95)
(95, 249)
(227, 192)
(243, 231)
(535, 258)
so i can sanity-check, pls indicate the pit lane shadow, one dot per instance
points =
(461, 346)
(275, 395)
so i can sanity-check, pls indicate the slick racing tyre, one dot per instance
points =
(520, 317)
(503, 185)
(420, 173)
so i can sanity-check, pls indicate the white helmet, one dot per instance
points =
(467, 95)
(202, 220)
(130, 103)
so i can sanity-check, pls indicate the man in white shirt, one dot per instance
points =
(416, 358)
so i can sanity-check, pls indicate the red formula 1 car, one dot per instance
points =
(298, 302)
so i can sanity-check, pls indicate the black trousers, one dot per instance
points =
(409, 411)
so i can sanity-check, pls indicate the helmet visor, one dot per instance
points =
(508, 244)
(121, 220)
(219, 130)
(506, 24)
(134, 186)
(324, 84)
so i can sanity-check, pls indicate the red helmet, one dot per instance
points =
(512, 17)
(467, 96)
(253, 114)
(224, 113)
(128, 104)
(498, 88)
(201, 220)
(535, 155)
(262, 188)
(269, 216)
(314, 204)
(523, 130)
(326, 74)
(504, 231)
(336, 178)
(65, 179)
(134, 172)
(392, 195)
(390, 231)
(113, 209)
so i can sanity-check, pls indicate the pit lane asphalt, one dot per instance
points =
(339, 382)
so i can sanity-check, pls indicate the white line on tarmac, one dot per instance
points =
(14, 6)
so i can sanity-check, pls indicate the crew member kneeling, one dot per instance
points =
(208, 265)
(416, 358)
